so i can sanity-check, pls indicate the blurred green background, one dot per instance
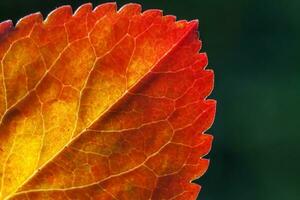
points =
(253, 46)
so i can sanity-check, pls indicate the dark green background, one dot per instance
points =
(253, 48)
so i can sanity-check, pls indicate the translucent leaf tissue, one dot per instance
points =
(103, 104)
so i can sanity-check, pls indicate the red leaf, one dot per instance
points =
(103, 104)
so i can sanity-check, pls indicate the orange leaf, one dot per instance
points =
(103, 104)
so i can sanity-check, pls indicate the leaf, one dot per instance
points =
(103, 104)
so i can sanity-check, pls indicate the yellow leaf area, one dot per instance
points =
(103, 104)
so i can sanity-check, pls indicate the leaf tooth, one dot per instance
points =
(30, 20)
(202, 60)
(83, 10)
(181, 23)
(204, 148)
(155, 12)
(130, 9)
(210, 109)
(199, 169)
(194, 23)
(170, 18)
(5, 27)
(59, 15)
(212, 75)
(200, 147)
(105, 8)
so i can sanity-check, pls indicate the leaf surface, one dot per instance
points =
(103, 104)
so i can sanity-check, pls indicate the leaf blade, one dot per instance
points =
(72, 91)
